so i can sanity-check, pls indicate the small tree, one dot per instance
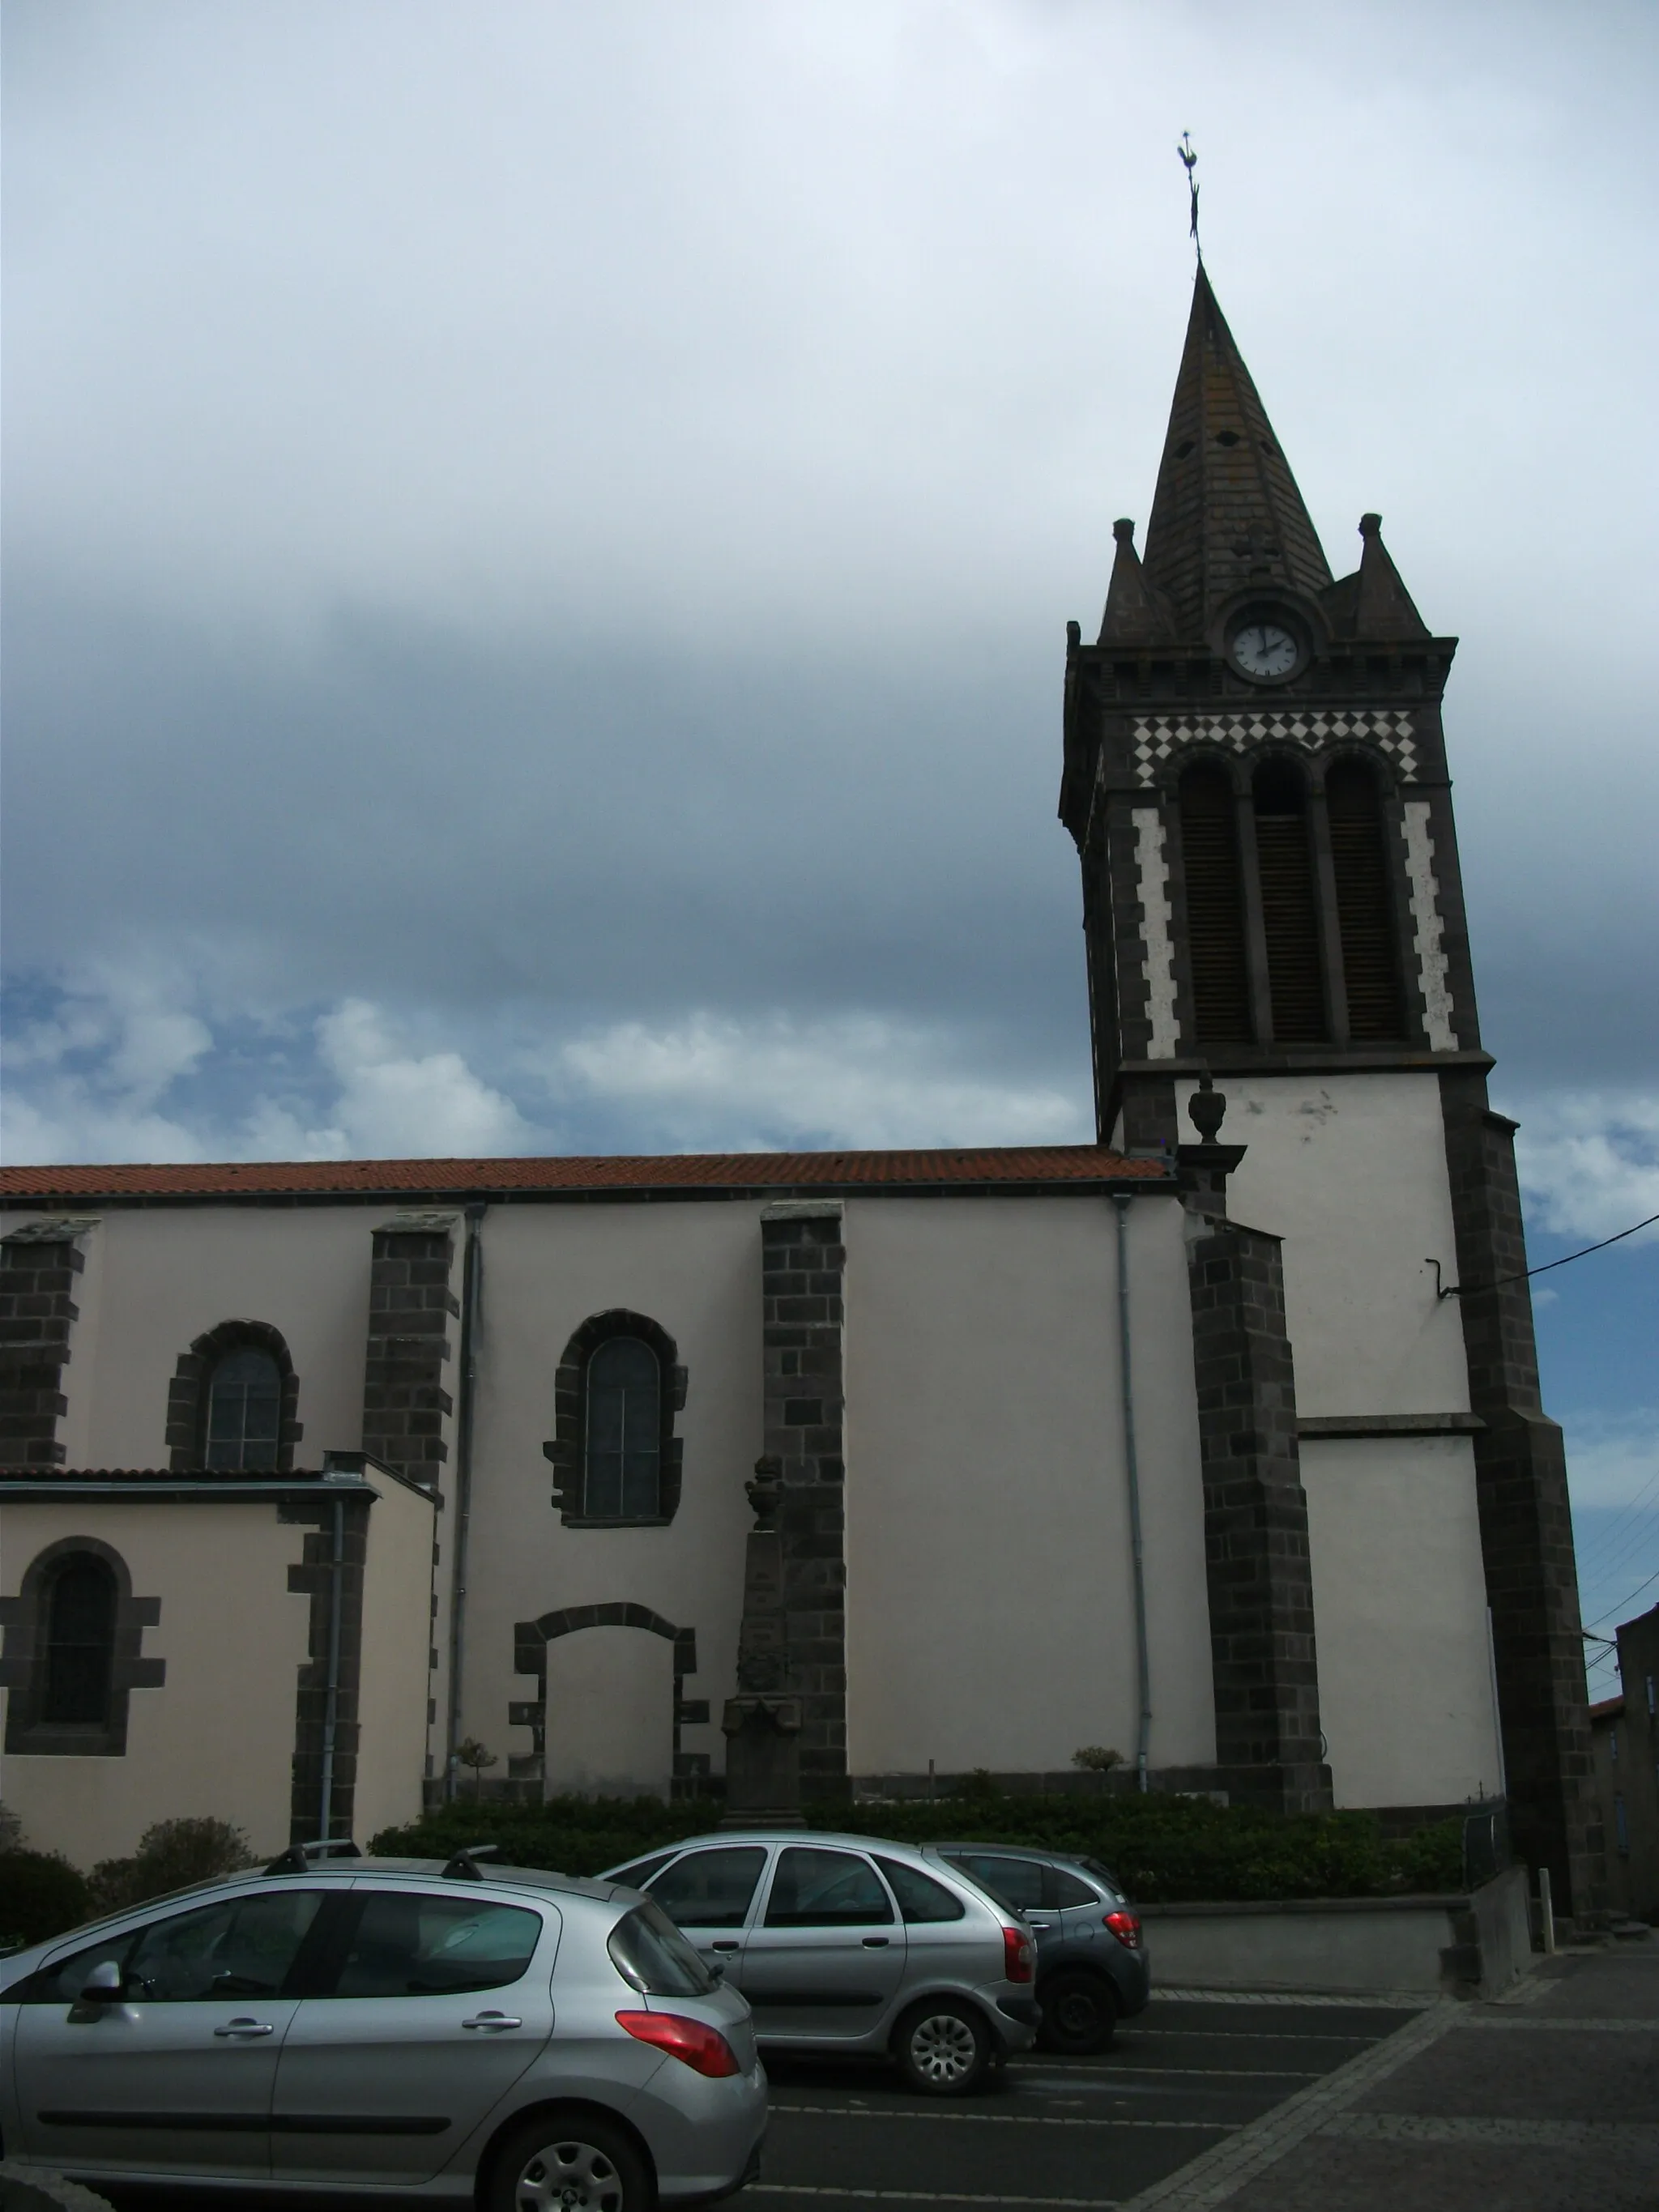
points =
(173, 1854)
(470, 1752)
(1097, 1759)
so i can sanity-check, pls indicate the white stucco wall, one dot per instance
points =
(1405, 1680)
(158, 1277)
(1351, 1171)
(397, 1635)
(217, 1739)
(989, 1595)
(695, 1270)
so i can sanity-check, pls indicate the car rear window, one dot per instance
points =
(653, 1957)
(1108, 1879)
(1017, 1883)
(1069, 1891)
(406, 1945)
(921, 1898)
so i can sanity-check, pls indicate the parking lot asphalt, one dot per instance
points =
(1185, 2076)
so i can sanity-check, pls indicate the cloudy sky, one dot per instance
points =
(538, 541)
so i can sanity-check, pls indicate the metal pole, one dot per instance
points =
(1132, 1469)
(1545, 1911)
(471, 1291)
(331, 1697)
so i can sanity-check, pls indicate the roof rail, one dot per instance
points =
(463, 1865)
(299, 1857)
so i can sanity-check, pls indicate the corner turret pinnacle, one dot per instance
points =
(1226, 514)
(1134, 615)
(1373, 603)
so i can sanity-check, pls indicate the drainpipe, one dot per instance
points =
(471, 1292)
(331, 1698)
(1132, 1468)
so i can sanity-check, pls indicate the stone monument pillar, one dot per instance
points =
(762, 1723)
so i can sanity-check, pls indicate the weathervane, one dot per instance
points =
(1190, 160)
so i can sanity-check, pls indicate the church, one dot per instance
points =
(1216, 1441)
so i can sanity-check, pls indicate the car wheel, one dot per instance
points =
(1079, 2012)
(944, 2049)
(569, 2160)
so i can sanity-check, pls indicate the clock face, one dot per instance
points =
(1266, 648)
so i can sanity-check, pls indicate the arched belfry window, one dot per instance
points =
(618, 1390)
(621, 1466)
(244, 1412)
(80, 1642)
(1290, 909)
(1371, 954)
(1215, 906)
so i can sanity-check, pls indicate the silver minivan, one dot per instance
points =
(470, 2033)
(852, 1944)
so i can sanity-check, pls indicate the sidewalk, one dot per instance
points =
(1547, 2100)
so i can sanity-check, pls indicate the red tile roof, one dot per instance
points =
(1609, 1708)
(1040, 1165)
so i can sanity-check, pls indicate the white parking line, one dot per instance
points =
(1372, 2000)
(925, 2196)
(997, 2119)
(1548, 2026)
(1541, 2134)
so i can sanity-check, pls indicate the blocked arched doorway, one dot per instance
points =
(606, 1716)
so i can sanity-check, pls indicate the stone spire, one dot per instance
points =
(1226, 515)
(1372, 603)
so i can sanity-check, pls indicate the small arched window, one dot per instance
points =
(623, 1456)
(80, 1644)
(244, 1412)
(1370, 958)
(1290, 912)
(1215, 906)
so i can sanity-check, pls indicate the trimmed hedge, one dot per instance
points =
(41, 1895)
(1164, 1850)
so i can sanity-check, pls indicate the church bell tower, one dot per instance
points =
(1255, 780)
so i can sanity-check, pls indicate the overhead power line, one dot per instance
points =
(1473, 1290)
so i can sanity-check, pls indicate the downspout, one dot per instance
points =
(1132, 1469)
(331, 1695)
(471, 1292)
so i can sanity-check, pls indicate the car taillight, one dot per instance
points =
(1125, 1928)
(1016, 1956)
(704, 2049)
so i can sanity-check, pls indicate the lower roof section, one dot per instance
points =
(1014, 1169)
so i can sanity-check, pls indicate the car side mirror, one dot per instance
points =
(101, 1987)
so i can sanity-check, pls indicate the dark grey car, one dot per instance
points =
(1092, 1968)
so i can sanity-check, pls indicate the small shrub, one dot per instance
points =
(173, 1854)
(41, 1895)
(978, 1788)
(1097, 1759)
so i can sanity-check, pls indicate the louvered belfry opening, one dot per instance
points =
(1371, 956)
(1215, 906)
(1289, 911)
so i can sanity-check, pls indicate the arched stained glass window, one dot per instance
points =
(245, 1412)
(623, 1459)
(80, 1642)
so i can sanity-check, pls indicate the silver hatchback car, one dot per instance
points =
(850, 1944)
(471, 2034)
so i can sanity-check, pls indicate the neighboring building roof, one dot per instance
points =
(1608, 1710)
(1040, 1167)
